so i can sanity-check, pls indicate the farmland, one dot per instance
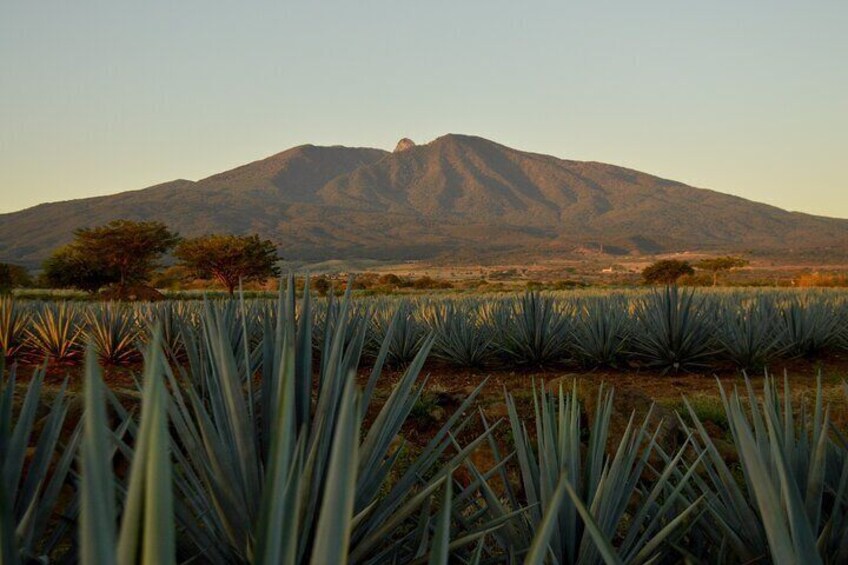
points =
(490, 428)
(671, 330)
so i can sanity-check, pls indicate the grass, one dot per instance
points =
(708, 408)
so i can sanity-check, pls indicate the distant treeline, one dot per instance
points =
(123, 260)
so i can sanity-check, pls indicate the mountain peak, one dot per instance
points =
(459, 140)
(404, 144)
(453, 195)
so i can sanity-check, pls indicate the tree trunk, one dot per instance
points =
(226, 281)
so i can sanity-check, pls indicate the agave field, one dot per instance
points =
(249, 439)
(669, 330)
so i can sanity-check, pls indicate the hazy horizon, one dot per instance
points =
(750, 100)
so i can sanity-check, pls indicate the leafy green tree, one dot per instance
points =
(69, 267)
(229, 258)
(13, 276)
(132, 249)
(717, 265)
(666, 271)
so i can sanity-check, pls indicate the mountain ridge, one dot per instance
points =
(456, 195)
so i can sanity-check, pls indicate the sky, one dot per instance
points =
(744, 97)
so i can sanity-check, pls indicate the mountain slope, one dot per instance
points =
(234, 201)
(458, 195)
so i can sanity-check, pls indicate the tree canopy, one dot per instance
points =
(666, 271)
(229, 258)
(717, 265)
(133, 249)
(13, 276)
(69, 267)
(122, 252)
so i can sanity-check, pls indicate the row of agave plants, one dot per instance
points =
(250, 453)
(668, 330)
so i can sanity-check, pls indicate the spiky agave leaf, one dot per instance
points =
(14, 320)
(335, 521)
(601, 331)
(461, 339)
(795, 504)
(532, 329)
(147, 534)
(113, 331)
(674, 332)
(171, 317)
(32, 480)
(97, 489)
(441, 541)
(749, 331)
(408, 332)
(54, 333)
(810, 325)
(238, 452)
(787, 528)
(583, 526)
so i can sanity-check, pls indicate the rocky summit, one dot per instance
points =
(404, 144)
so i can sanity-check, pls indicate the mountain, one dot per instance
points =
(459, 197)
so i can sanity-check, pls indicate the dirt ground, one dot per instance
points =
(446, 388)
(634, 391)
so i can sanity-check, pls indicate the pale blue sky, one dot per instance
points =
(746, 97)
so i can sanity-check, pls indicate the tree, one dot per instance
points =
(131, 249)
(13, 276)
(718, 265)
(69, 267)
(229, 258)
(666, 271)
(321, 285)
